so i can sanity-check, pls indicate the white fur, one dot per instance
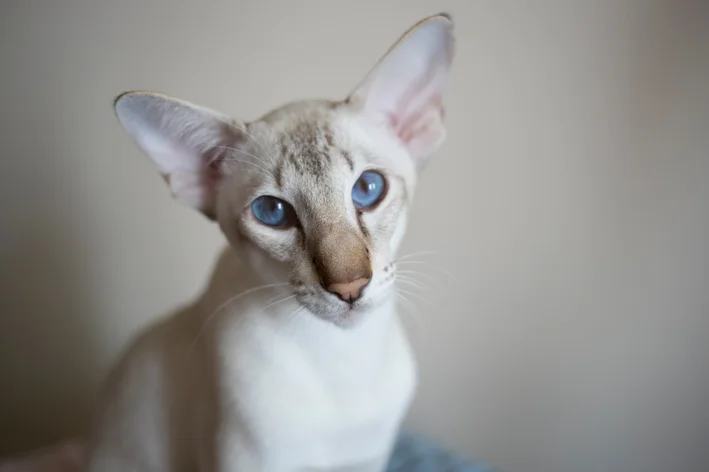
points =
(278, 392)
(267, 371)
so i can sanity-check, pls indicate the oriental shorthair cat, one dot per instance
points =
(293, 358)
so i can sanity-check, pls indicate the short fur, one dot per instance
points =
(268, 370)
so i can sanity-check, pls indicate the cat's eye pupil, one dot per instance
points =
(366, 186)
(273, 211)
(369, 190)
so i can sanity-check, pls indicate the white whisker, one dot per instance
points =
(417, 253)
(410, 304)
(273, 298)
(266, 173)
(245, 161)
(287, 324)
(413, 282)
(413, 312)
(259, 172)
(278, 301)
(241, 151)
(233, 124)
(243, 130)
(417, 295)
(413, 273)
(227, 303)
(434, 266)
(259, 159)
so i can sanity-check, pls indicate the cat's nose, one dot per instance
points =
(349, 291)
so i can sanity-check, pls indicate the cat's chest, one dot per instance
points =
(326, 407)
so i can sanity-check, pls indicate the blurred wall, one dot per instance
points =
(570, 202)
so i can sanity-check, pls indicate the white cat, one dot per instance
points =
(293, 359)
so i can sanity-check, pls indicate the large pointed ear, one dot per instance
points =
(404, 90)
(185, 141)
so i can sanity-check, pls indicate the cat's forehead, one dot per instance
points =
(308, 141)
(313, 148)
(319, 145)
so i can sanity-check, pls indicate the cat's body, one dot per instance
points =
(293, 359)
(273, 390)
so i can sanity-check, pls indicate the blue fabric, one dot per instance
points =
(415, 453)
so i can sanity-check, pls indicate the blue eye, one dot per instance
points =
(272, 211)
(369, 190)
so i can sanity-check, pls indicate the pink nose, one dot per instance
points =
(349, 291)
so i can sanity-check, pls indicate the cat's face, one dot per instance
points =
(319, 188)
(326, 195)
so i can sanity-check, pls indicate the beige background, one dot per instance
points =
(571, 202)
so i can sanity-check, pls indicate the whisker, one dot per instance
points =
(258, 171)
(287, 325)
(292, 317)
(417, 273)
(241, 151)
(417, 253)
(411, 304)
(258, 158)
(273, 298)
(434, 266)
(413, 312)
(278, 301)
(414, 283)
(436, 287)
(266, 173)
(234, 125)
(227, 303)
(419, 296)
(246, 161)
(379, 290)
(243, 130)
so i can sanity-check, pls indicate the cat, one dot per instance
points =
(293, 358)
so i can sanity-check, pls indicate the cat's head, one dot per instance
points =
(320, 188)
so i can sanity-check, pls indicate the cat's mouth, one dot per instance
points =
(342, 312)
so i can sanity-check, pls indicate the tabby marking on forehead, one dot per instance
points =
(309, 148)
(306, 149)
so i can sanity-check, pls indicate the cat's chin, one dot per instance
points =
(347, 319)
(350, 317)
(344, 315)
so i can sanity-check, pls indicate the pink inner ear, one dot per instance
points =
(417, 119)
(415, 111)
(425, 134)
(196, 189)
(420, 126)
